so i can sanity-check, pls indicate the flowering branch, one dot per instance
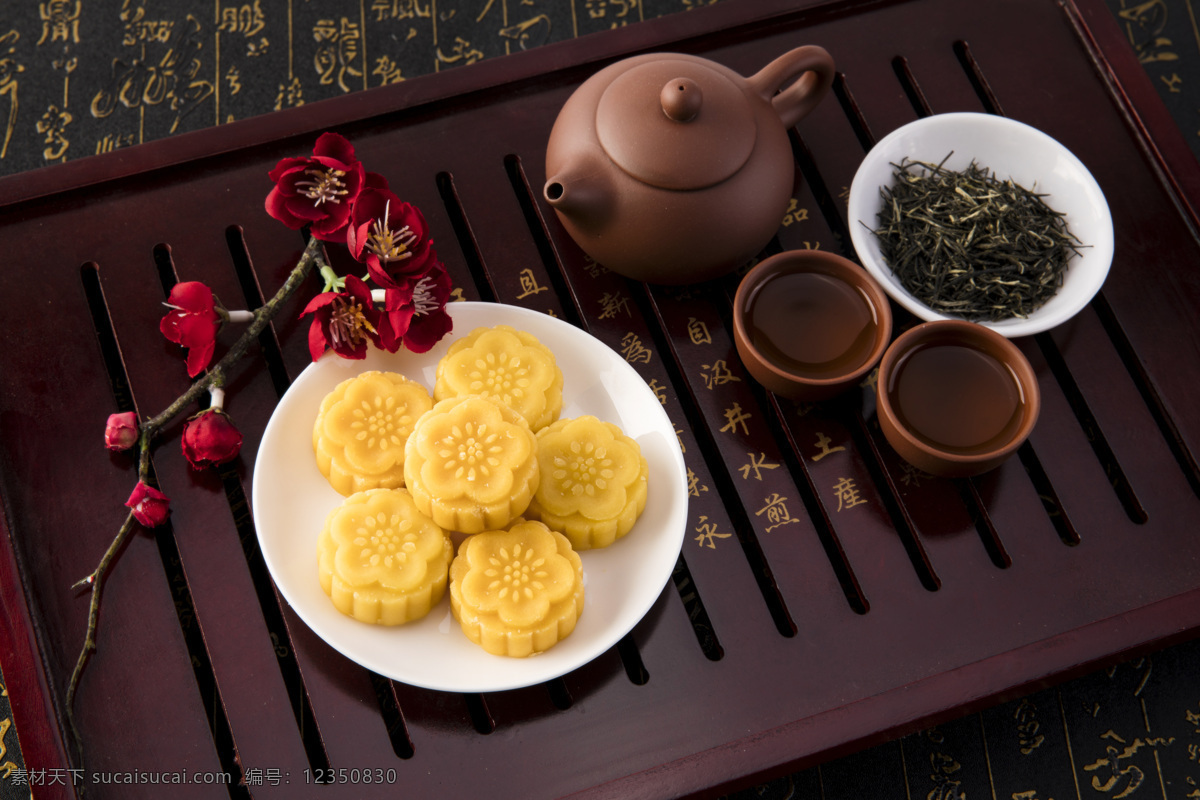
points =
(147, 505)
(331, 196)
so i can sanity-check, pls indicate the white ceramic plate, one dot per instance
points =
(291, 498)
(1010, 149)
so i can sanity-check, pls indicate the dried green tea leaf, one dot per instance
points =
(968, 244)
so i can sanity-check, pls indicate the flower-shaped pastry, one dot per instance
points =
(517, 592)
(471, 464)
(362, 428)
(508, 365)
(381, 560)
(593, 481)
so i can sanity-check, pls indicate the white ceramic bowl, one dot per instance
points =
(1010, 149)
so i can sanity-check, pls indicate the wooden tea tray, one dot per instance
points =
(826, 597)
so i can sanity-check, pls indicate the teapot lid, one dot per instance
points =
(676, 124)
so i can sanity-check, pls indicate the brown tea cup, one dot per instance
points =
(809, 324)
(954, 398)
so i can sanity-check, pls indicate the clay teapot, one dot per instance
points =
(674, 169)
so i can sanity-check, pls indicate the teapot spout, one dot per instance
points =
(581, 195)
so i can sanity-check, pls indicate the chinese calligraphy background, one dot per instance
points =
(82, 77)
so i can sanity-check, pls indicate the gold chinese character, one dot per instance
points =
(67, 65)
(398, 9)
(528, 283)
(1113, 778)
(247, 19)
(659, 390)
(611, 303)
(462, 51)
(290, 94)
(708, 533)
(231, 77)
(776, 511)
(176, 77)
(592, 267)
(138, 29)
(801, 408)
(794, 213)
(717, 374)
(633, 349)
(111, 142)
(946, 787)
(1028, 736)
(387, 70)
(1193, 719)
(869, 382)
(847, 494)
(337, 51)
(823, 447)
(911, 476)
(530, 33)
(735, 416)
(259, 48)
(59, 21)
(1149, 21)
(9, 68)
(54, 123)
(756, 465)
(7, 766)
(698, 331)
(695, 487)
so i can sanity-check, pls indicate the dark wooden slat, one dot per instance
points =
(1150, 311)
(936, 635)
(139, 612)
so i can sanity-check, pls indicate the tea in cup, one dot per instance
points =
(955, 398)
(809, 324)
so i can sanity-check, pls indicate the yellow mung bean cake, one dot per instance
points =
(594, 481)
(508, 365)
(519, 591)
(471, 464)
(362, 427)
(381, 560)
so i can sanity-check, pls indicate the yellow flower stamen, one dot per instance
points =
(347, 323)
(387, 244)
(326, 186)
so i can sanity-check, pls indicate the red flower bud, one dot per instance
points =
(210, 438)
(121, 433)
(150, 506)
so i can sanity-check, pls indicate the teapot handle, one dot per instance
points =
(814, 67)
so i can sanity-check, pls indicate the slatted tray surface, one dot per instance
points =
(826, 596)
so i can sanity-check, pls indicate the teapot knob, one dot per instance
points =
(681, 99)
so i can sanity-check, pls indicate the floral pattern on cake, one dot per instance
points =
(381, 560)
(507, 365)
(517, 592)
(471, 464)
(594, 481)
(362, 428)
